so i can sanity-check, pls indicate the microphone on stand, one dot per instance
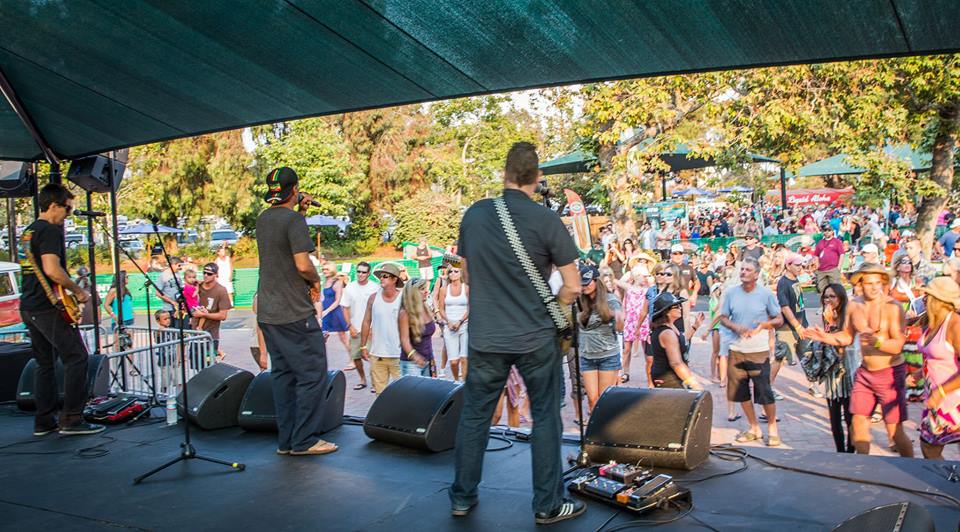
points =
(89, 214)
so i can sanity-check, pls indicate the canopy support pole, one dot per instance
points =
(663, 185)
(783, 189)
(7, 89)
(12, 228)
(92, 258)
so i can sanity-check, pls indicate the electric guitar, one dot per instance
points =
(61, 298)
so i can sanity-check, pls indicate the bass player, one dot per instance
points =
(51, 327)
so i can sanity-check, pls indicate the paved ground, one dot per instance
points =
(804, 419)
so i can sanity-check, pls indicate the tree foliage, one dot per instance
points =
(430, 214)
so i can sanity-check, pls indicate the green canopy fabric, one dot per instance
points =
(92, 75)
(679, 158)
(837, 165)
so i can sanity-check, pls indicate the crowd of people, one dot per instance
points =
(881, 339)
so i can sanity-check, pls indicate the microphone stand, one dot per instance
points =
(583, 459)
(187, 450)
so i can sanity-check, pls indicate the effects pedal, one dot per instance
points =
(628, 487)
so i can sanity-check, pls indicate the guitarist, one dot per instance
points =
(46, 320)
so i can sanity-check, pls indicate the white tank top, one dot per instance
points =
(385, 334)
(455, 307)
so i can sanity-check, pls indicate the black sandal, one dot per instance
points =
(360, 386)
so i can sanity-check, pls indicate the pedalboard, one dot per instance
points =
(628, 487)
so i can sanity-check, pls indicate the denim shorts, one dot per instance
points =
(610, 363)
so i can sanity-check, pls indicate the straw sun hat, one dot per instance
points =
(945, 289)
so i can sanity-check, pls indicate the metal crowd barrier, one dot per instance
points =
(138, 370)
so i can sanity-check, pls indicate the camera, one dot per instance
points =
(543, 188)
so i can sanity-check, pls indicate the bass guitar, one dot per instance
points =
(61, 298)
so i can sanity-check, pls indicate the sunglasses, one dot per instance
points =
(674, 307)
(69, 208)
(668, 274)
(454, 271)
(363, 272)
(209, 273)
(390, 275)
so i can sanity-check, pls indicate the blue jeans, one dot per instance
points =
(485, 381)
(411, 368)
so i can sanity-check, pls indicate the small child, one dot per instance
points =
(166, 354)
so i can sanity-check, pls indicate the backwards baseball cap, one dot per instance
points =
(676, 248)
(870, 248)
(211, 267)
(587, 274)
(280, 183)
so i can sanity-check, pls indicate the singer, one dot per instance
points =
(288, 287)
(510, 325)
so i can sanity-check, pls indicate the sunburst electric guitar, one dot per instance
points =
(61, 298)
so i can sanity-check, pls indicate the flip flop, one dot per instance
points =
(774, 441)
(731, 419)
(351, 367)
(746, 436)
(360, 386)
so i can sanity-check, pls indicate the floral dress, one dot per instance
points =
(634, 300)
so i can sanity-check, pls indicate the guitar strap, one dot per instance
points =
(38, 271)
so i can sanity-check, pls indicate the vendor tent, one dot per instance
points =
(837, 165)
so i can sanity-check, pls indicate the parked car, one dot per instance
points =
(10, 297)
(134, 247)
(74, 240)
(218, 237)
(189, 237)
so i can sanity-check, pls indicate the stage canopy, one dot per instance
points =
(91, 75)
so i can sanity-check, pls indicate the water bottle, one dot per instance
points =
(172, 410)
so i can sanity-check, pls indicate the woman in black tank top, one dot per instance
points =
(669, 346)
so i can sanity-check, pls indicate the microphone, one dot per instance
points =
(313, 202)
(89, 214)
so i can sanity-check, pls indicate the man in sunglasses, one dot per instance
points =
(49, 330)
(354, 303)
(214, 304)
(289, 286)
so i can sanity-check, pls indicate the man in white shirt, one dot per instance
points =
(354, 303)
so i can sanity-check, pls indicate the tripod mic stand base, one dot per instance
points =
(188, 452)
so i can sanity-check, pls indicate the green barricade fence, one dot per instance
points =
(724, 242)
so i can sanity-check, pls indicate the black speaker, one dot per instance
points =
(897, 517)
(98, 381)
(16, 180)
(416, 412)
(14, 356)
(654, 427)
(215, 394)
(258, 412)
(93, 173)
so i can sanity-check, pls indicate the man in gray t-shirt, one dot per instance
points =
(751, 311)
(288, 285)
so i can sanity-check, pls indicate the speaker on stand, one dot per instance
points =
(654, 427)
(416, 412)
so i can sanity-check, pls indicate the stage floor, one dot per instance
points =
(369, 485)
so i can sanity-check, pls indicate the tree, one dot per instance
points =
(429, 214)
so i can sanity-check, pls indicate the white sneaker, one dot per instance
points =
(441, 373)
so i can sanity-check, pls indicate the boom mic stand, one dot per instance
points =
(187, 450)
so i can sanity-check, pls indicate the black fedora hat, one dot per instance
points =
(663, 302)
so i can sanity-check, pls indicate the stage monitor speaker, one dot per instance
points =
(93, 173)
(416, 412)
(98, 381)
(14, 356)
(215, 394)
(258, 412)
(897, 517)
(16, 180)
(653, 427)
